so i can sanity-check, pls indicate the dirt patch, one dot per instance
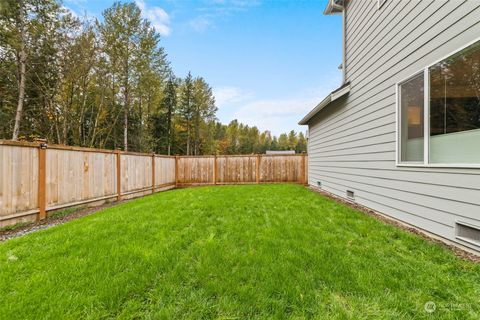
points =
(50, 222)
(459, 252)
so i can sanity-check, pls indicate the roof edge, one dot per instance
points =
(334, 95)
(334, 7)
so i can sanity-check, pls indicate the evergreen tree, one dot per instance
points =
(169, 104)
(186, 112)
(301, 144)
(283, 142)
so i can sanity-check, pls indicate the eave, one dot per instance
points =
(334, 95)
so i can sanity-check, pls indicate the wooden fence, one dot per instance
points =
(36, 178)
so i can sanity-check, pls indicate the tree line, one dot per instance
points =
(108, 84)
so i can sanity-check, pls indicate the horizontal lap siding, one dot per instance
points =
(352, 141)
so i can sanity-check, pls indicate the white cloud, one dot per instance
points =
(225, 96)
(276, 114)
(158, 17)
(214, 10)
(200, 24)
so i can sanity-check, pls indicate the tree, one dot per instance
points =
(186, 111)
(301, 143)
(232, 133)
(169, 103)
(283, 142)
(22, 22)
(292, 140)
(204, 110)
(125, 34)
(161, 128)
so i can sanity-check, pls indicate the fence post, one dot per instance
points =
(119, 176)
(153, 173)
(257, 169)
(42, 179)
(176, 171)
(303, 170)
(215, 170)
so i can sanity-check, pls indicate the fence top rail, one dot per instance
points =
(245, 155)
(164, 156)
(261, 155)
(19, 143)
(85, 149)
(133, 153)
(74, 148)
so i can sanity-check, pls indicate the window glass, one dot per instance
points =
(412, 119)
(455, 108)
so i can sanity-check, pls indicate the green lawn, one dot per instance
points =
(232, 252)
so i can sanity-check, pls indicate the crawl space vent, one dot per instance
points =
(319, 184)
(468, 232)
(350, 194)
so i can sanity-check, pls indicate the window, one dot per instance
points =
(449, 132)
(412, 118)
(455, 108)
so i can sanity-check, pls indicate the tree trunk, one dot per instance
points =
(126, 102)
(125, 126)
(22, 57)
(188, 138)
(169, 129)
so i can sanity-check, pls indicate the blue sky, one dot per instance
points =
(269, 62)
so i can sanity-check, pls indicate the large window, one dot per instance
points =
(453, 112)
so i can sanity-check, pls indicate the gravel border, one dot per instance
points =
(52, 221)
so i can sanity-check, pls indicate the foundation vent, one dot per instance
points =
(350, 194)
(467, 232)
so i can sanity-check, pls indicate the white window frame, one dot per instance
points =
(426, 147)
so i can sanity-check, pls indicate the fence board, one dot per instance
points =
(164, 171)
(236, 169)
(195, 170)
(281, 169)
(136, 172)
(18, 179)
(75, 176)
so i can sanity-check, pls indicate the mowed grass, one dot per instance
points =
(232, 252)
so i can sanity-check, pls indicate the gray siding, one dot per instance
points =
(352, 141)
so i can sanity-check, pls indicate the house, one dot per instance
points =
(401, 135)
